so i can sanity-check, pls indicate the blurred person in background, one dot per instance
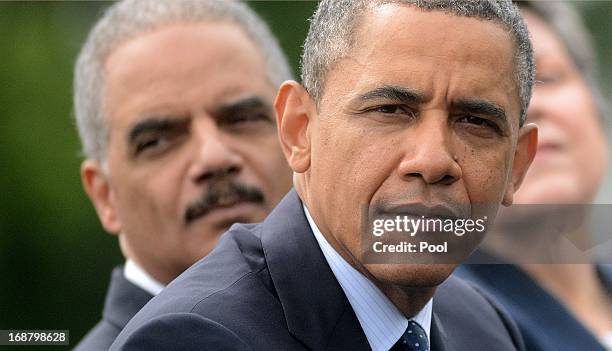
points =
(173, 103)
(557, 306)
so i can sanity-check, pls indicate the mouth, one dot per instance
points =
(547, 149)
(422, 210)
(224, 208)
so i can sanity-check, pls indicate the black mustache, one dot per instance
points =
(212, 197)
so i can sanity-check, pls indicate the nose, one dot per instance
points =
(214, 156)
(429, 155)
(544, 105)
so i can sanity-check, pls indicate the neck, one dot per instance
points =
(408, 300)
(162, 274)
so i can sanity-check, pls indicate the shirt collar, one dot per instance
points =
(139, 277)
(382, 323)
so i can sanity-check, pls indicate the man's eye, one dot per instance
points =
(393, 110)
(149, 144)
(247, 118)
(546, 79)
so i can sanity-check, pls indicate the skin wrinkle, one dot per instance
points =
(363, 67)
(374, 52)
(511, 27)
(364, 81)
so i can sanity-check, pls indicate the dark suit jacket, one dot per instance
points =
(545, 323)
(123, 300)
(268, 287)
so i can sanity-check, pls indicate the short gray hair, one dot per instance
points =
(566, 23)
(130, 18)
(334, 24)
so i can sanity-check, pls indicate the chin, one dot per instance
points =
(411, 275)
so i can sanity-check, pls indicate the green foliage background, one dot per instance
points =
(55, 260)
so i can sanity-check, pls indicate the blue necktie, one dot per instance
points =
(414, 339)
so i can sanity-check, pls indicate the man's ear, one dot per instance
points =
(97, 186)
(526, 147)
(295, 111)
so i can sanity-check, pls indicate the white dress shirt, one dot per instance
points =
(382, 323)
(606, 340)
(139, 277)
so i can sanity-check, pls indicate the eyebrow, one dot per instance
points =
(395, 93)
(481, 107)
(249, 103)
(154, 124)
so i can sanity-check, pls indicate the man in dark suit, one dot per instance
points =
(178, 144)
(408, 108)
(269, 287)
(123, 300)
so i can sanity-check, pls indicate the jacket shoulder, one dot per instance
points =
(472, 318)
(181, 332)
(234, 273)
(99, 338)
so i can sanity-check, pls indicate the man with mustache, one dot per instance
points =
(173, 103)
(407, 107)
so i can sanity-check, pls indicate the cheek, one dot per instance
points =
(485, 174)
(591, 155)
(574, 108)
(266, 165)
(355, 163)
(136, 206)
(149, 194)
(585, 134)
(347, 170)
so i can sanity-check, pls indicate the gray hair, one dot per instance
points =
(130, 18)
(333, 25)
(567, 24)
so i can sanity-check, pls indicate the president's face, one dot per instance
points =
(423, 110)
(192, 143)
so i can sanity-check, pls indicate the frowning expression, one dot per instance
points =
(414, 115)
(192, 142)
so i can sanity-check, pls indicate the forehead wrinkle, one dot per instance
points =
(364, 52)
(395, 93)
(411, 47)
(154, 123)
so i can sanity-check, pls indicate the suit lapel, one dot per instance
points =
(438, 339)
(123, 299)
(315, 307)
